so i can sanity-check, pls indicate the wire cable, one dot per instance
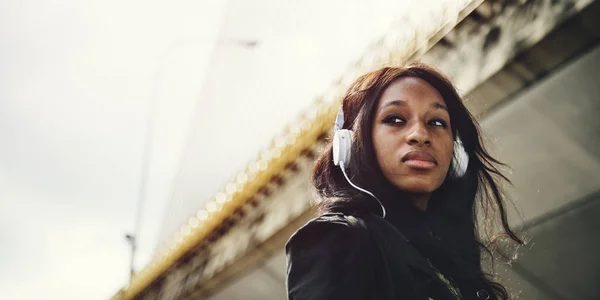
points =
(362, 190)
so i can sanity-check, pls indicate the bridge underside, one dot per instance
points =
(529, 70)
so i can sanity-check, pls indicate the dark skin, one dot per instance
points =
(412, 137)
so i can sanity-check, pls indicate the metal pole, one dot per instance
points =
(133, 237)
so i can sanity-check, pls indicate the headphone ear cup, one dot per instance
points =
(460, 160)
(342, 146)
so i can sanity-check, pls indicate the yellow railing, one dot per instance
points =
(413, 33)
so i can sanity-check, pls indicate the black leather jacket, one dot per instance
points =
(338, 256)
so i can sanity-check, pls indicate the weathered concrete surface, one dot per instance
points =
(251, 235)
(475, 50)
(480, 47)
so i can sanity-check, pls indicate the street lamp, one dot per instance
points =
(132, 238)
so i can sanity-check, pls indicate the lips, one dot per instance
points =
(419, 160)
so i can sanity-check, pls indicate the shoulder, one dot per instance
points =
(332, 257)
(330, 232)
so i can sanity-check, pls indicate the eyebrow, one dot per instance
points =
(435, 105)
(438, 105)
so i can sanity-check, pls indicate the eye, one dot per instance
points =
(438, 123)
(393, 120)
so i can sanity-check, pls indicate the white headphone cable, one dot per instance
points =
(362, 190)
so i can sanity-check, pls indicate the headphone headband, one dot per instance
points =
(339, 119)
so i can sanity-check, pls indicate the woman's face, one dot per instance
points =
(412, 136)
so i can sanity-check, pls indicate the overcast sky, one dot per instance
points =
(75, 79)
(75, 82)
(252, 94)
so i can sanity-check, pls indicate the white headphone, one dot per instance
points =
(460, 159)
(342, 146)
(342, 141)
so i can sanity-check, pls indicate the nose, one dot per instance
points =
(418, 135)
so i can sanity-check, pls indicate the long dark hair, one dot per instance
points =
(479, 189)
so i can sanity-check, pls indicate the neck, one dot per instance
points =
(420, 201)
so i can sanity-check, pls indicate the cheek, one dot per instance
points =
(446, 154)
(378, 147)
(385, 150)
(388, 159)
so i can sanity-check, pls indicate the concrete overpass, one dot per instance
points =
(530, 71)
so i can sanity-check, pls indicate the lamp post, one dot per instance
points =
(132, 238)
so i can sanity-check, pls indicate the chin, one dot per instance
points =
(417, 185)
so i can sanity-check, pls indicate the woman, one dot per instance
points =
(399, 196)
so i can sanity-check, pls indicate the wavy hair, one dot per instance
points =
(479, 189)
